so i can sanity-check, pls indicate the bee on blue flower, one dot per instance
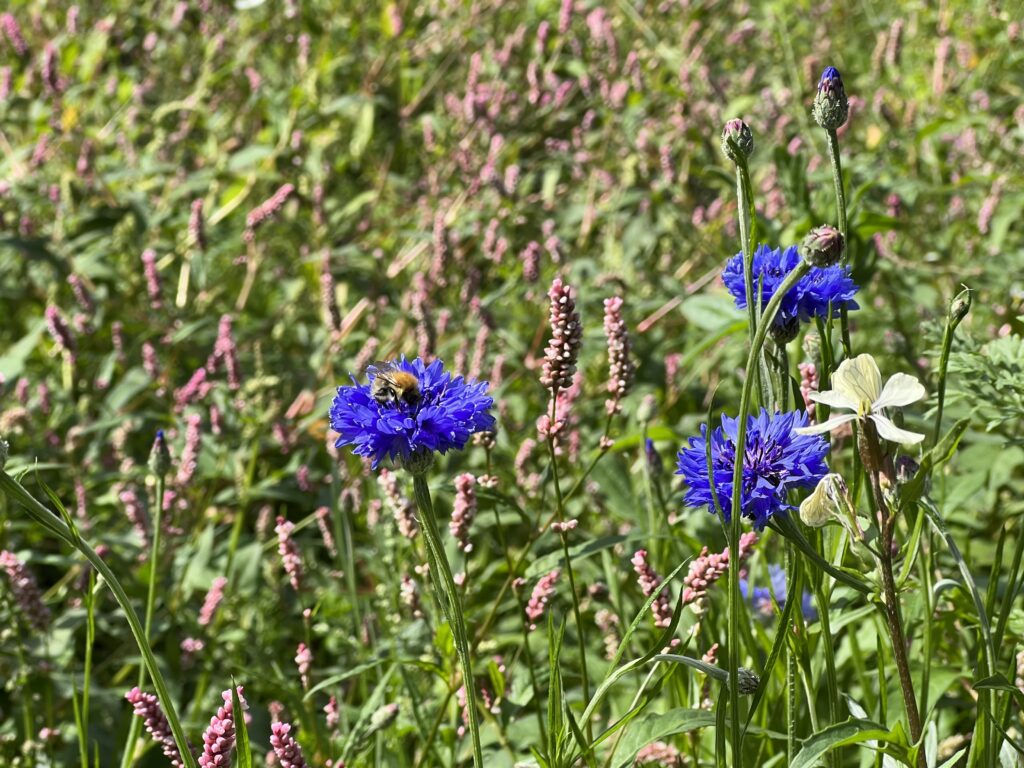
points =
(820, 289)
(390, 422)
(776, 460)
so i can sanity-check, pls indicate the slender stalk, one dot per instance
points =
(872, 459)
(442, 573)
(735, 522)
(560, 512)
(135, 728)
(526, 631)
(45, 518)
(958, 310)
(837, 180)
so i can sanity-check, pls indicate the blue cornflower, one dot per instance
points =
(830, 79)
(776, 460)
(447, 411)
(761, 597)
(810, 297)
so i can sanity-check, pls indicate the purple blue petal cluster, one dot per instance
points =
(760, 598)
(775, 461)
(448, 412)
(809, 298)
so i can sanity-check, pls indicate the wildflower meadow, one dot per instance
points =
(486, 383)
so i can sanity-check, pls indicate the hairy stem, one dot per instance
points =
(441, 571)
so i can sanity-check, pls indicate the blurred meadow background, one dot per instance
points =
(211, 214)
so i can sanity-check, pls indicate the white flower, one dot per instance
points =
(829, 501)
(857, 386)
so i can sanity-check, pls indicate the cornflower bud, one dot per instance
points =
(831, 107)
(159, 456)
(822, 246)
(737, 138)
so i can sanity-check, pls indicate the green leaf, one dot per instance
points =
(363, 131)
(839, 735)
(650, 728)
(242, 748)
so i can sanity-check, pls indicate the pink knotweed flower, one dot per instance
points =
(563, 348)
(543, 591)
(196, 229)
(190, 646)
(289, 551)
(60, 332)
(147, 707)
(660, 755)
(153, 286)
(135, 513)
(304, 662)
(403, 509)
(219, 737)
(650, 582)
(1019, 680)
(25, 590)
(285, 747)
(620, 363)
(479, 351)
(190, 453)
(808, 384)
(212, 601)
(323, 522)
(463, 510)
(441, 250)
(82, 295)
(265, 210)
(607, 622)
(709, 568)
(409, 593)
(565, 527)
(302, 478)
(328, 296)
(225, 351)
(194, 390)
(12, 32)
(117, 340)
(150, 362)
(50, 75)
(530, 258)
(333, 713)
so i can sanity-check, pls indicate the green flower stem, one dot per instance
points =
(837, 179)
(135, 729)
(451, 604)
(952, 321)
(45, 518)
(560, 513)
(872, 459)
(735, 521)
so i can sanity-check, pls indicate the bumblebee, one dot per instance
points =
(392, 385)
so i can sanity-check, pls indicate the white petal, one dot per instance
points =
(825, 426)
(860, 380)
(890, 431)
(833, 399)
(899, 390)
